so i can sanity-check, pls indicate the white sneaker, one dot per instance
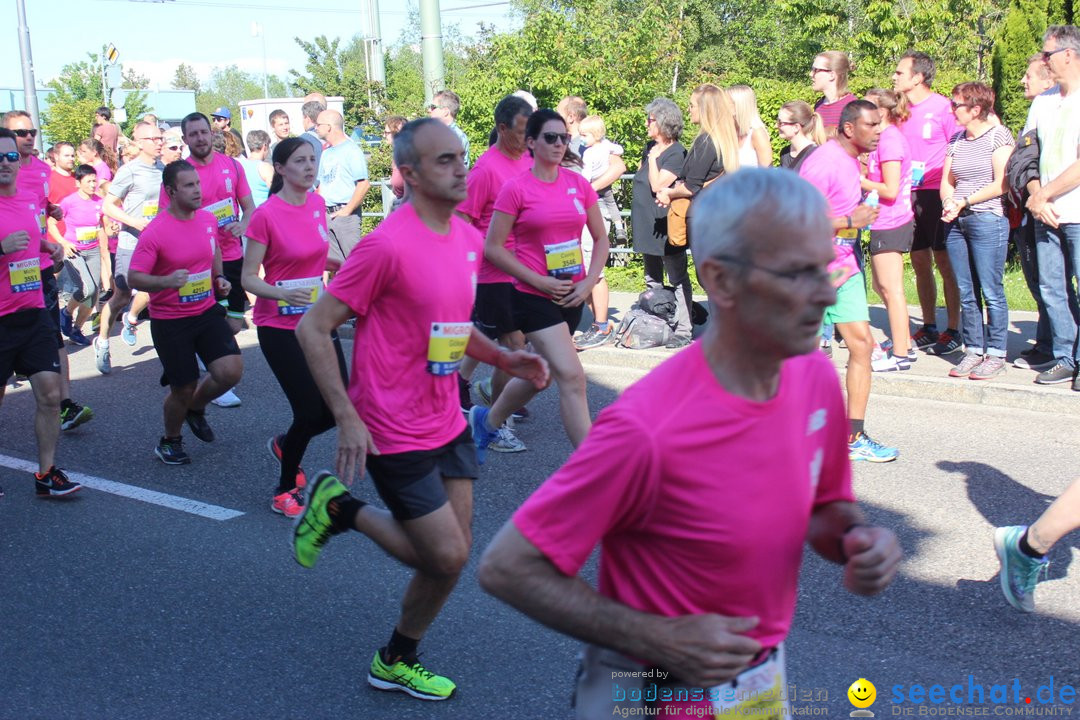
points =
(227, 399)
(506, 442)
(887, 363)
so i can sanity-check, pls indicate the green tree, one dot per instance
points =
(1019, 38)
(77, 93)
(335, 70)
(186, 79)
(135, 80)
(229, 85)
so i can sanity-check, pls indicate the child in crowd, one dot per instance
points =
(596, 158)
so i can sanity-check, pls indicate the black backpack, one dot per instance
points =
(640, 330)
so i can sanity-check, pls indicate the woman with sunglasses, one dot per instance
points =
(797, 123)
(976, 230)
(546, 209)
(287, 238)
(829, 76)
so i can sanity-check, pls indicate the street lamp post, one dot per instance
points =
(258, 30)
(29, 91)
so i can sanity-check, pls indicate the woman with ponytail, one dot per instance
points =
(287, 238)
(829, 76)
(797, 123)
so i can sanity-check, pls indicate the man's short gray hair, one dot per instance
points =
(311, 110)
(732, 213)
(1066, 36)
(668, 117)
(405, 142)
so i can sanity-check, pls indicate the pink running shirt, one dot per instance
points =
(548, 221)
(224, 185)
(700, 499)
(83, 220)
(412, 291)
(296, 246)
(836, 174)
(892, 147)
(167, 245)
(486, 179)
(34, 179)
(928, 132)
(20, 272)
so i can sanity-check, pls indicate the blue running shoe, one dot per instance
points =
(67, 323)
(127, 334)
(481, 435)
(1019, 573)
(866, 448)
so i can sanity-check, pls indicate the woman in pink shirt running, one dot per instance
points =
(546, 208)
(287, 239)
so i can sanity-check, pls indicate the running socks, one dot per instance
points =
(1026, 548)
(857, 426)
(400, 647)
(342, 511)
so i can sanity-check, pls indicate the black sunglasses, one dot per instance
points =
(32, 132)
(1047, 54)
(552, 137)
(10, 156)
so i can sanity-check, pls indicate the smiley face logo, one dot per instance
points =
(862, 693)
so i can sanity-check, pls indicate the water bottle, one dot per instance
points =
(872, 200)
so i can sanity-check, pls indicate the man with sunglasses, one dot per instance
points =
(834, 170)
(699, 561)
(444, 108)
(35, 177)
(1056, 204)
(27, 342)
(133, 202)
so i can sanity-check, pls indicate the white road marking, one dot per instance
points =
(174, 502)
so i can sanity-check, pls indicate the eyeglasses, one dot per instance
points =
(174, 148)
(552, 137)
(957, 106)
(650, 120)
(152, 139)
(806, 278)
(1047, 54)
(11, 157)
(31, 133)
(816, 70)
(782, 123)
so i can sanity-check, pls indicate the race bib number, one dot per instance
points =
(43, 223)
(196, 289)
(86, 235)
(25, 275)
(757, 692)
(314, 285)
(918, 171)
(150, 210)
(446, 348)
(223, 211)
(564, 259)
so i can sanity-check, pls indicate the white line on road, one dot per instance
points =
(174, 502)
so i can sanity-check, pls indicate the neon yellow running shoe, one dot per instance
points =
(413, 678)
(313, 527)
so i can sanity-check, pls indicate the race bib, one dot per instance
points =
(314, 284)
(43, 223)
(564, 259)
(86, 235)
(150, 210)
(25, 275)
(918, 171)
(757, 692)
(446, 348)
(196, 289)
(223, 211)
(847, 236)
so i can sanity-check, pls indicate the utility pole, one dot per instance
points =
(378, 66)
(431, 44)
(29, 91)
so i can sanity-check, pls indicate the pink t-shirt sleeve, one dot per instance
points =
(834, 482)
(259, 227)
(144, 257)
(596, 493)
(509, 198)
(370, 267)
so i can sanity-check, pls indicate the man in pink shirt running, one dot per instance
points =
(699, 560)
(410, 284)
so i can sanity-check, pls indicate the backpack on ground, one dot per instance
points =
(640, 330)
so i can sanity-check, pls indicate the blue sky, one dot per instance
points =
(154, 37)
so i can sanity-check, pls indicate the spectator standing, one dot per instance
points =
(755, 147)
(222, 121)
(259, 172)
(311, 110)
(343, 183)
(829, 76)
(279, 126)
(106, 130)
(445, 107)
(801, 127)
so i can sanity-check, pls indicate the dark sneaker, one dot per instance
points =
(948, 343)
(965, 367)
(54, 484)
(313, 526)
(67, 323)
(924, 337)
(594, 337)
(1034, 360)
(199, 427)
(989, 368)
(171, 451)
(1061, 372)
(76, 336)
(521, 413)
(74, 415)
(409, 676)
(464, 394)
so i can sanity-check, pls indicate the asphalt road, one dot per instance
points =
(112, 607)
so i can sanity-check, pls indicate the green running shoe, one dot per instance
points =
(1019, 573)
(412, 678)
(313, 527)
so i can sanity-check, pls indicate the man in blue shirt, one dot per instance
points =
(343, 182)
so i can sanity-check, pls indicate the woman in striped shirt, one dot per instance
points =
(977, 231)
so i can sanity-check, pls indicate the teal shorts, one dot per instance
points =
(850, 305)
